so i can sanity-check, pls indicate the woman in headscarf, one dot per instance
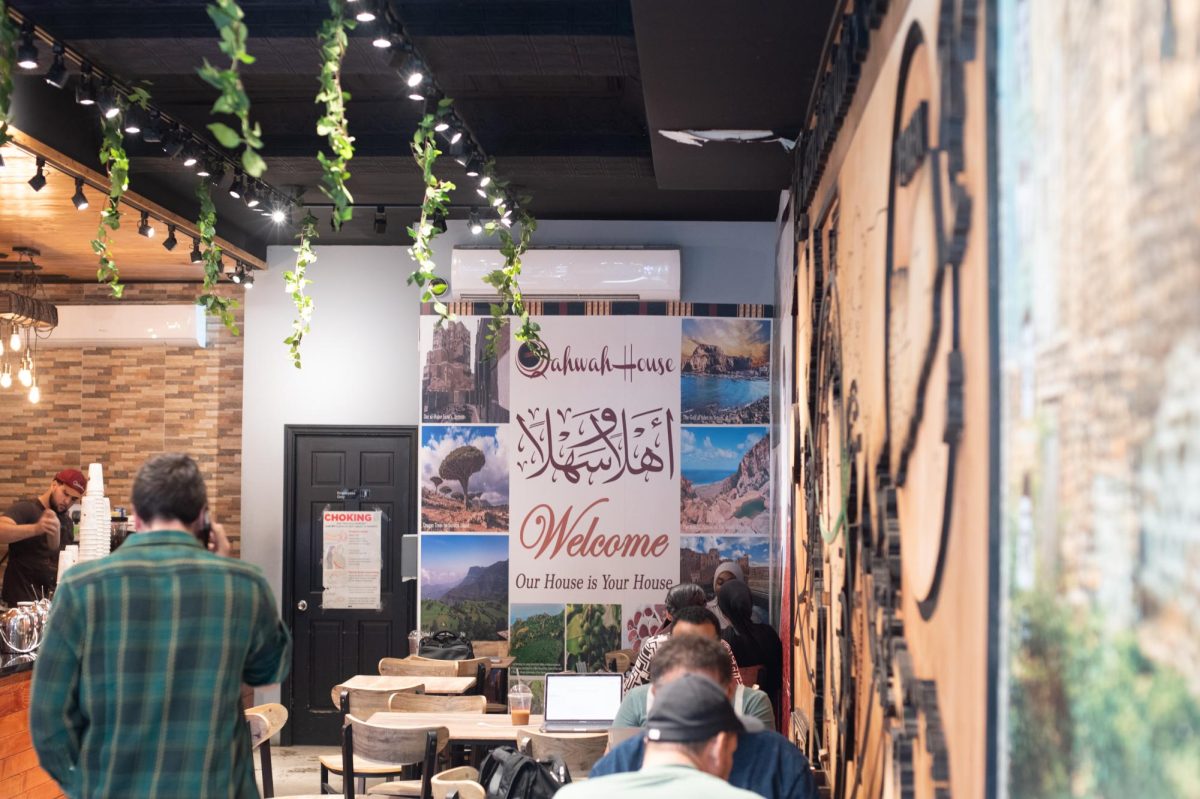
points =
(753, 644)
(725, 572)
(679, 597)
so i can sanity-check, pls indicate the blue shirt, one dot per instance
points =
(765, 762)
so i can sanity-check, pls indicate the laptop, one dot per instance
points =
(581, 702)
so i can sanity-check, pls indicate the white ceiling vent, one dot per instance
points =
(122, 324)
(567, 274)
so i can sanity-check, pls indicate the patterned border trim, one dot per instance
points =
(619, 308)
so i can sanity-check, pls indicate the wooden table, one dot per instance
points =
(468, 728)
(433, 685)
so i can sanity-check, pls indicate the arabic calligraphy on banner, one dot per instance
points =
(599, 444)
(594, 483)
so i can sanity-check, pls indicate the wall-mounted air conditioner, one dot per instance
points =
(124, 324)
(565, 274)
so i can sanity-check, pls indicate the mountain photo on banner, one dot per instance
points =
(459, 383)
(535, 637)
(726, 482)
(592, 630)
(464, 479)
(699, 557)
(726, 371)
(464, 585)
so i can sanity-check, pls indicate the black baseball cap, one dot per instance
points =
(693, 708)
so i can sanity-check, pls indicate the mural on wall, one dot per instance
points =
(589, 483)
(464, 478)
(1099, 109)
(890, 426)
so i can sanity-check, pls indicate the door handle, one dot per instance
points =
(302, 605)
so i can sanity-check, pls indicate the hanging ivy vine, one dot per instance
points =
(333, 40)
(214, 304)
(116, 164)
(506, 279)
(228, 16)
(8, 56)
(434, 206)
(295, 282)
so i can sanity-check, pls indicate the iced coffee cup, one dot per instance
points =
(520, 701)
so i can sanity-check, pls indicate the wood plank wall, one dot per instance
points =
(891, 447)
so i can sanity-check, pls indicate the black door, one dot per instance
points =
(343, 468)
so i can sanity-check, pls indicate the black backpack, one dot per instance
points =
(445, 645)
(509, 774)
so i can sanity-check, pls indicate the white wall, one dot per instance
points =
(365, 324)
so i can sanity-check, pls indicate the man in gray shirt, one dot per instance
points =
(691, 734)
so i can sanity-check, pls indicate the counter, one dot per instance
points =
(20, 776)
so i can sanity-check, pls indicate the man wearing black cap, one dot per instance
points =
(35, 530)
(691, 734)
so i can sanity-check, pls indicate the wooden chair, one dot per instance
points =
(618, 736)
(417, 667)
(430, 703)
(618, 660)
(265, 721)
(750, 674)
(371, 750)
(464, 780)
(579, 752)
(490, 649)
(366, 701)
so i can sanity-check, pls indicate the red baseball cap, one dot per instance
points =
(73, 478)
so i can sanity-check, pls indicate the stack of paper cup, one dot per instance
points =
(67, 558)
(95, 527)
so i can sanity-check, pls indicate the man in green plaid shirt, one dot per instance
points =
(136, 689)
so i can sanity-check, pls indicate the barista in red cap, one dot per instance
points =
(35, 531)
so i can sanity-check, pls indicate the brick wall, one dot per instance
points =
(118, 405)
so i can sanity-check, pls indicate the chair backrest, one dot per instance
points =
(365, 701)
(579, 752)
(618, 661)
(618, 735)
(470, 668)
(419, 667)
(490, 649)
(265, 721)
(749, 674)
(406, 746)
(464, 780)
(432, 703)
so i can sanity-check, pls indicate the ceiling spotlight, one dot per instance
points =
(107, 101)
(205, 169)
(80, 199)
(248, 279)
(38, 181)
(485, 181)
(191, 155)
(383, 39)
(170, 241)
(238, 186)
(133, 120)
(475, 223)
(441, 125)
(197, 257)
(238, 273)
(380, 220)
(366, 13)
(27, 52)
(57, 75)
(251, 195)
(85, 90)
(144, 227)
(474, 166)
(414, 75)
(152, 129)
(173, 141)
(279, 215)
(482, 192)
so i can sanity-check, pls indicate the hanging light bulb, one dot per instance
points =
(25, 373)
(35, 394)
(6, 377)
(14, 341)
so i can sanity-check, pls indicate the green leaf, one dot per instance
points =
(226, 135)
(253, 163)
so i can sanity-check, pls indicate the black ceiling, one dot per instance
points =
(565, 94)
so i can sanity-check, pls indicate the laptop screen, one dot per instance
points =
(582, 697)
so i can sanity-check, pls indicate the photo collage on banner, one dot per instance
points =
(561, 497)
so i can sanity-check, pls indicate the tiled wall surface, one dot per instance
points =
(116, 406)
